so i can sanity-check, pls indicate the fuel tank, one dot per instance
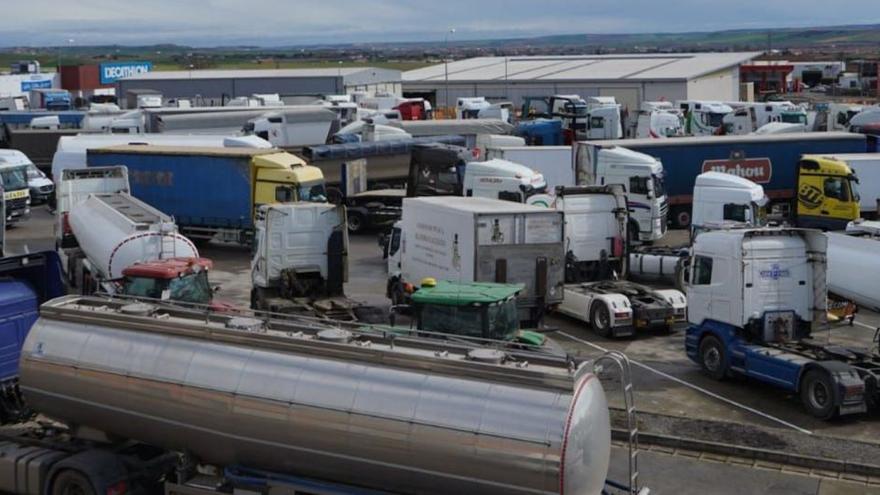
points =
(356, 405)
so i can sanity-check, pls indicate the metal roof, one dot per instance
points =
(463, 294)
(628, 67)
(249, 73)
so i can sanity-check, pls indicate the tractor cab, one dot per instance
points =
(175, 279)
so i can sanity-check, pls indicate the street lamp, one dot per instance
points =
(70, 41)
(446, 63)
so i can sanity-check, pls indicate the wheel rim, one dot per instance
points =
(819, 395)
(712, 358)
(684, 218)
(354, 223)
(600, 319)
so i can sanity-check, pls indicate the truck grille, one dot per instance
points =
(664, 208)
(654, 314)
(16, 204)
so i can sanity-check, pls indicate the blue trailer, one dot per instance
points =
(769, 160)
(211, 189)
(25, 282)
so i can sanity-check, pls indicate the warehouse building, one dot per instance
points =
(215, 87)
(631, 78)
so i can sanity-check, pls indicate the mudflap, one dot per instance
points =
(850, 392)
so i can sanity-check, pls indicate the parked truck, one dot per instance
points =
(26, 282)
(213, 190)
(703, 118)
(14, 177)
(749, 117)
(596, 223)
(796, 188)
(552, 162)
(755, 296)
(479, 240)
(866, 167)
(155, 403)
(599, 163)
(300, 263)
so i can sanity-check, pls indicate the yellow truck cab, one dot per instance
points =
(827, 196)
(285, 178)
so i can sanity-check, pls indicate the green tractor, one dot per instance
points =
(476, 310)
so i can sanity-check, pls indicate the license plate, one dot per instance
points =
(16, 194)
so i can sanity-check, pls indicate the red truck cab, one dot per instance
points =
(174, 279)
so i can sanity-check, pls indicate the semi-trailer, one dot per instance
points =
(145, 393)
(213, 190)
(795, 187)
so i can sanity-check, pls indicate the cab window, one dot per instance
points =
(736, 213)
(284, 194)
(836, 188)
(702, 274)
(597, 122)
(638, 185)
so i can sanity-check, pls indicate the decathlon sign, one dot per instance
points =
(112, 72)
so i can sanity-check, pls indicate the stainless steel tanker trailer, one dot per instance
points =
(153, 399)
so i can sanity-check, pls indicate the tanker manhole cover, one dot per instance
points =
(334, 335)
(493, 356)
(243, 323)
(138, 309)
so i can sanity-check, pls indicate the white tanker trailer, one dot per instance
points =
(300, 405)
(112, 232)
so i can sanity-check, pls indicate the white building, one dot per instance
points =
(631, 78)
(21, 84)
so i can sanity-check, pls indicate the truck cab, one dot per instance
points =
(641, 176)
(480, 310)
(174, 279)
(755, 296)
(447, 170)
(827, 194)
(704, 118)
(294, 126)
(720, 198)
(658, 120)
(469, 108)
(750, 117)
(14, 177)
(285, 178)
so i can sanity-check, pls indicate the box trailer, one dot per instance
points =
(464, 239)
(867, 168)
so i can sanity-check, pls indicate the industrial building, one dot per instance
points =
(631, 78)
(215, 87)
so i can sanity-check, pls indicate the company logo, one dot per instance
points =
(775, 272)
(758, 170)
(110, 73)
(810, 196)
(36, 84)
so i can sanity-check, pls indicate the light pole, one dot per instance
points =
(70, 41)
(446, 64)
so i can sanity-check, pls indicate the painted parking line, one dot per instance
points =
(697, 388)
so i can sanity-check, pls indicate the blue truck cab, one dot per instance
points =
(754, 297)
(25, 282)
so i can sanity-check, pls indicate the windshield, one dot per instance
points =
(503, 320)
(191, 288)
(659, 185)
(794, 118)
(34, 173)
(14, 178)
(457, 320)
(313, 192)
(715, 119)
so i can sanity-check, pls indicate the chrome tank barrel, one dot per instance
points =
(400, 414)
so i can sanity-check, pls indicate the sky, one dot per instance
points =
(288, 22)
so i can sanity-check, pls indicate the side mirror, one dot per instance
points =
(650, 195)
(215, 289)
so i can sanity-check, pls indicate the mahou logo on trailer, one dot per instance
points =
(758, 170)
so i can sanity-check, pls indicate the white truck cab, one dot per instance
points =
(721, 198)
(658, 120)
(749, 117)
(703, 118)
(502, 179)
(640, 175)
(469, 108)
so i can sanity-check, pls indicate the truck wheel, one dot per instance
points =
(712, 357)
(817, 394)
(70, 482)
(355, 222)
(682, 218)
(600, 320)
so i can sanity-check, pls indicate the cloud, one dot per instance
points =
(268, 22)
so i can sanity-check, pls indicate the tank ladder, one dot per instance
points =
(168, 249)
(621, 362)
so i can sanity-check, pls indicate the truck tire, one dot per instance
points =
(681, 217)
(356, 222)
(817, 394)
(600, 320)
(72, 482)
(712, 357)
